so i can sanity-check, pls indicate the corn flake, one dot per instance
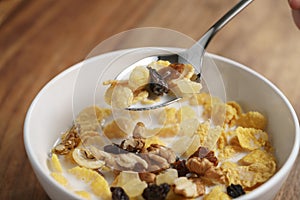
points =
(60, 178)
(217, 193)
(252, 120)
(250, 138)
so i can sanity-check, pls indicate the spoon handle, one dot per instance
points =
(222, 22)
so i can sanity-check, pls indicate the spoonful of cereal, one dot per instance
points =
(160, 80)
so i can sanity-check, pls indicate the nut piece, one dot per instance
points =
(189, 188)
(203, 152)
(148, 177)
(85, 159)
(134, 145)
(162, 151)
(130, 161)
(203, 167)
(69, 141)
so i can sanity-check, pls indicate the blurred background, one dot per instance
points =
(41, 38)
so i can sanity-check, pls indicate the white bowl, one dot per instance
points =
(53, 109)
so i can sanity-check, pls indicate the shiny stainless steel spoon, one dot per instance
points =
(193, 55)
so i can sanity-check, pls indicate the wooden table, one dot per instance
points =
(39, 39)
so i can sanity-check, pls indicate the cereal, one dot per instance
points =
(252, 120)
(55, 163)
(217, 193)
(250, 138)
(185, 113)
(83, 194)
(60, 178)
(201, 146)
(138, 77)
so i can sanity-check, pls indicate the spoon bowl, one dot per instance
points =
(193, 56)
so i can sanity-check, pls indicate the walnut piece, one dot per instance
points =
(206, 169)
(189, 188)
(148, 177)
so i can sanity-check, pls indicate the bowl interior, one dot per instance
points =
(62, 98)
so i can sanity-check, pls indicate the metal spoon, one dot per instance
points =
(193, 55)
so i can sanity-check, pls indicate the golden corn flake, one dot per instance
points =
(89, 118)
(217, 193)
(236, 106)
(167, 131)
(101, 188)
(257, 155)
(138, 77)
(140, 96)
(252, 119)
(122, 97)
(212, 137)
(202, 131)
(157, 65)
(59, 178)
(195, 144)
(153, 140)
(55, 163)
(113, 131)
(200, 99)
(257, 167)
(185, 113)
(231, 115)
(189, 127)
(250, 138)
(84, 174)
(188, 71)
(83, 194)
(229, 151)
(168, 116)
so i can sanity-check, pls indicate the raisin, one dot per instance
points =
(157, 85)
(118, 193)
(203, 152)
(181, 168)
(156, 192)
(235, 191)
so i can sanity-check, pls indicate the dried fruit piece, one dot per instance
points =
(131, 183)
(157, 85)
(188, 187)
(168, 176)
(156, 192)
(118, 193)
(235, 191)
(181, 168)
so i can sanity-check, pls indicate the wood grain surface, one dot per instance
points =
(41, 38)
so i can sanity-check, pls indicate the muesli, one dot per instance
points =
(187, 155)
